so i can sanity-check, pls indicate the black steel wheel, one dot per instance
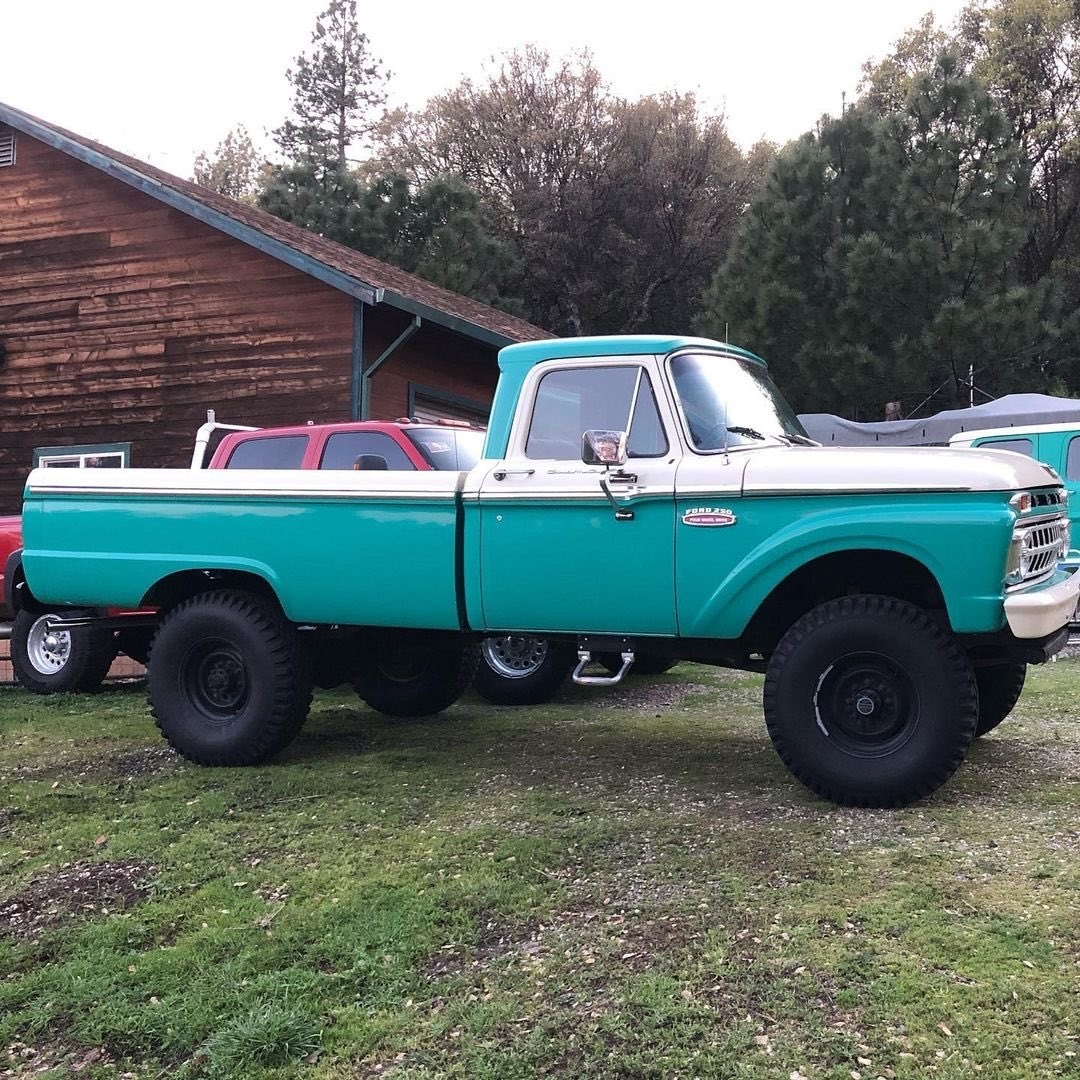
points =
(999, 686)
(228, 680)
(869, 702)
(409, 678)
(516, 669)
(58, 661)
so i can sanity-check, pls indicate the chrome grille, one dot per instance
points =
(1048, 498)
(1041, 544)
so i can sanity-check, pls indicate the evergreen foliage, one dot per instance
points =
(881, 260)
(336, 89)
(439, 230)
(235, 169)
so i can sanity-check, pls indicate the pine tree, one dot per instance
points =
(235, 168)
(337, 88)
(880, 261)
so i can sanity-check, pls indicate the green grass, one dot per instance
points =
(622, 884)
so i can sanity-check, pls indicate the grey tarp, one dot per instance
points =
(1013, 410)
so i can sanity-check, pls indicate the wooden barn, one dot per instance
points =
(131, 301)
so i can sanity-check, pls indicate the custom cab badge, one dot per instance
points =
(708, 516)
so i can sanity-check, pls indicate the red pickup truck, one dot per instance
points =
(515, 670)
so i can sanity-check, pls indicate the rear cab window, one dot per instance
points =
(270, 452)
(363, 450)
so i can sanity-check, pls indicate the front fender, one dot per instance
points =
(963, 548)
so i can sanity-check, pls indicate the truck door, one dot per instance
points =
(555, 554)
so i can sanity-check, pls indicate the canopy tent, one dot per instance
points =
(1013, 410)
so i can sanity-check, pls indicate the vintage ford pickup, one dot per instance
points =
(650, 493)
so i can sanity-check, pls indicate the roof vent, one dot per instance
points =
(7, 148)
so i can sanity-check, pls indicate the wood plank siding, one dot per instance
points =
(123, 320)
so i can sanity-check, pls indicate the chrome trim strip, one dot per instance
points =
(243, 493)
(1027, 583)
(696, 490)
(1024, 520)
(621, 494)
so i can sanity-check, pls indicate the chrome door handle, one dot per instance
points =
(502, 474)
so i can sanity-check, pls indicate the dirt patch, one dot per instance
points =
(78, 765)
(73, 891)
(7, 815)
(21, 1059)
(649, 697)
(577, 938)
(24, 1060)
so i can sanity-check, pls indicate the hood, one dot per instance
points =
(794, 469)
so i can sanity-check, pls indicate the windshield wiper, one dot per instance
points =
(749, 432)
(796, 440)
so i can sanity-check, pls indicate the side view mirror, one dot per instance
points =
(599, 447)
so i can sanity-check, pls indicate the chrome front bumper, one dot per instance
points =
(1040, 612)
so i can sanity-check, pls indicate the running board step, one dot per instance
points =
(585, 658)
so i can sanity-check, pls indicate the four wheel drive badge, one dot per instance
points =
(708, 516)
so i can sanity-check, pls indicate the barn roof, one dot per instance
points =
(358, 275)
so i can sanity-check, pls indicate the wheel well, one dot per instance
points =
(843, 573)
(170, 591)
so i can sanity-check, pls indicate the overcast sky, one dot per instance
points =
(162, 81)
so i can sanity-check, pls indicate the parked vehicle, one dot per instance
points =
(52, 661)
(635, 493)
(1056, 445)
(514, 670)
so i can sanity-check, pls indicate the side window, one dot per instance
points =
(447, 448)
(571, 402)
(1072, 459)
(95, 456)
(364, 450)
(1017, 446)
(273, 452)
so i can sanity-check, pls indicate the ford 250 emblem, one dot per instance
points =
(708, 516)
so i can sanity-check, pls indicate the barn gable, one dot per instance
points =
(131, 301)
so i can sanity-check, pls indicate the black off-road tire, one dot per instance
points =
(516, 669)
(228, 679)
(999, 690)
(61, 661)
(408, 680)
(644, 663)
(869, 702)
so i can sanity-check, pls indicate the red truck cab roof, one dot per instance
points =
(359, 444)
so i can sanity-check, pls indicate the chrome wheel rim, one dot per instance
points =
(513, 656)
(47, 650)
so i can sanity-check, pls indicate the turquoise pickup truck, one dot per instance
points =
(635, 493)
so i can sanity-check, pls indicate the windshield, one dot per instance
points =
(727, 402)
(448, 448)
